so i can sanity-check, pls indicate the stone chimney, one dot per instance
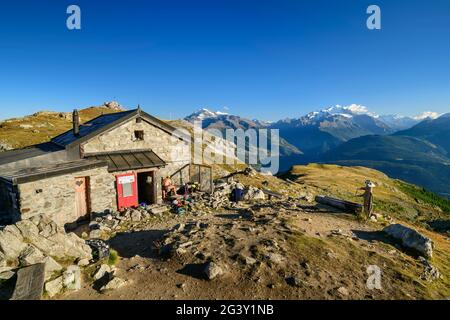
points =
(76, 122)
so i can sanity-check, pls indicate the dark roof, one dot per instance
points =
(38, 173)
(91, 127)
(106, 122)
(129, 160)
(29, 152)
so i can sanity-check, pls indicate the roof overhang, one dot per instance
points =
(128, 160)
(39, 173)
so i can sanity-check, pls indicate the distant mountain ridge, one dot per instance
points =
(415, 149)
(352, 135)
(222, 121)
(317, 131)
(419, 155)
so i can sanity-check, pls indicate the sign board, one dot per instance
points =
(126, 179)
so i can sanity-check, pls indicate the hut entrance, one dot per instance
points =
(147, 187)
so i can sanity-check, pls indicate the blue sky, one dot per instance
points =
(261, 59)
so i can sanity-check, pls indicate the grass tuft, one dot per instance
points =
(113, 257)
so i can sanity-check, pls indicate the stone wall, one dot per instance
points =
(166, 146)
(55, 196)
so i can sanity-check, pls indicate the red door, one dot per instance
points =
(127, 193)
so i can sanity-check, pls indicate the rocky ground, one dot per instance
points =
(262, 250)
(283, 248)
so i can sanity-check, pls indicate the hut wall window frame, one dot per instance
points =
(139, 135)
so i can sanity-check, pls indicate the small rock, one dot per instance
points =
(343, 291)
(185, 244)
(7, 275)
(293, 281)
(51, 266)
(337, 232)
(31, 255)
(250, 261)
(115, 283)
(72, 278)
(95, 234)
(83, 262)
(101, 271)
(430, 272)
(212, 270)
(136, 216)
(275, 258)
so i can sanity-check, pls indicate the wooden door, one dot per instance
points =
(81, 197)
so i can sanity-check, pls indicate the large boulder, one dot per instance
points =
(27, 228)
(11, 243)
(30, 241)
(410, 238)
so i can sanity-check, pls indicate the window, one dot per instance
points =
(139, 135)
(127, 190)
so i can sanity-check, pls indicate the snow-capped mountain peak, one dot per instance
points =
(205, 113)
(427, 115)
(342, 111)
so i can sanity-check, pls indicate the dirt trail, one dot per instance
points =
(266, 252)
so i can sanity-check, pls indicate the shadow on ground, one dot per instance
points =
(440, 225)
(7, 288)
(242, 214)
(129, 244)
(194, 270)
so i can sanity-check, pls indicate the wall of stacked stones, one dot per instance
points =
(165, 145)
(55, 196)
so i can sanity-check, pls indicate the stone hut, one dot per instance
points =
(112, 162)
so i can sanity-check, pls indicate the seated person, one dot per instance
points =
(167, 187)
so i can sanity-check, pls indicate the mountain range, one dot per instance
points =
(318, 131)
(415, 149)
